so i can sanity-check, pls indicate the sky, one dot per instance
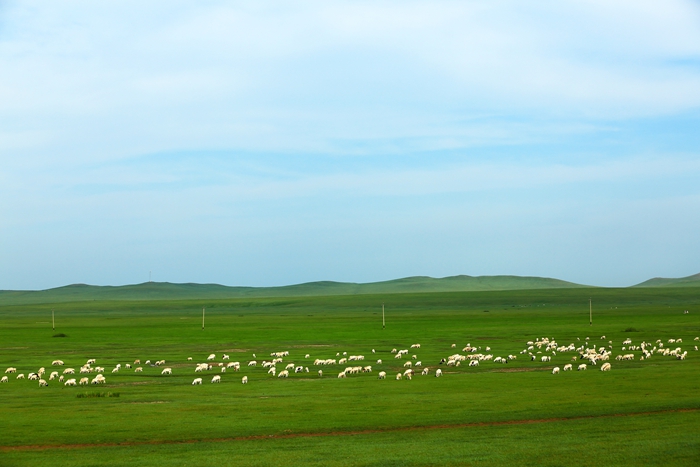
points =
(273, 143)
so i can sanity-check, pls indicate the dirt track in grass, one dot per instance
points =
(39, 447)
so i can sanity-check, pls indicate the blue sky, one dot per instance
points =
(270, 143)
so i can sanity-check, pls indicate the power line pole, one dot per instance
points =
(590, 312)
(383, 322)
(53, 321)
(203, 308)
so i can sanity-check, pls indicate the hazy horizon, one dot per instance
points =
(273, 144)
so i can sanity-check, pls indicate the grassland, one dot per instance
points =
(640, 413)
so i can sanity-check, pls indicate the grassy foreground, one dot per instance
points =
(640, 413)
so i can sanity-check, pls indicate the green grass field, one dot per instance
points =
(640, 413)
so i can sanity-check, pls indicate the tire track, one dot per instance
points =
(42, 447)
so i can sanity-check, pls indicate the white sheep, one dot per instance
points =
(20, 376)
(320, 373)
(382, 375)
(4, 379)
(438, 373)
(197, 381)
(555, 370)
(167, 371)
(568, 367)
(211, 357)
(283, 374)
(43, 383)
(379, 362)
(11, 370)
(398, 376)
(605, 367)
(244, 380)
(425, 371)
(70, 382)
(84, 381)
(138, 370)
(582, 367)
(341, 374)
(216, 379)
(225, 357)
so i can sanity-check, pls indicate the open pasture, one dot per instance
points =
(641, 412)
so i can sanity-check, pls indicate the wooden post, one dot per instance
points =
(53, 321)
(590, 312)
(203, 308)
(383, 322)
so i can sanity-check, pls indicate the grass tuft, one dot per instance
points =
(60, 334)
(631, 330)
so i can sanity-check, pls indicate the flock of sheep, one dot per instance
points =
(542, 349)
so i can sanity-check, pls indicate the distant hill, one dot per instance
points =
(690, 281)
(166, 290)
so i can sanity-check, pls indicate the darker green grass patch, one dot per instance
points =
(631, 330)
(60, 334)
(89, 395)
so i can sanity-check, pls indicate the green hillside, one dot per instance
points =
(690, 281)
(166, 290)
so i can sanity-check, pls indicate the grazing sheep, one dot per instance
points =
(211, 357)
(438, 373)
(382, 375)
(197, 381)
(43, 383)
(225, 357)
(4, 379)
(167, 371)
(379, 362)
(605, 367)
(320, 373)
(84, 381)
(474, 363)
(244, 380)
(568, 367)
(425, 371)
(33, 377)
(398, 376)
(582, 367)
(138, 370)
(11, 370)
(189, 359)
(20, 376)
(57, 362)
(283, 374)
(216, 379)
(53, 375)
(555, 370)
(99, 379)
(252, 363)
(69, 371)
(307, 356)
(342, 374)
(70, 382)
(407, 365)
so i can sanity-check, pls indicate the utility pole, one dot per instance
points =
(203, 308)
(53, 321)
(590, 312)
(383, 322)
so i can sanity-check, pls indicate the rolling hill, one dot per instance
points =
(690, 281)
(166, 290)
